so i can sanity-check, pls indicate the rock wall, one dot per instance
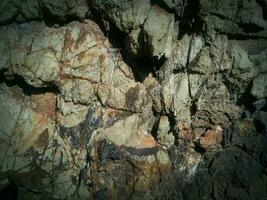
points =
(144, 99)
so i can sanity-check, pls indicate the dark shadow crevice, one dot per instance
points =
(173, 129)
(251, 28)
(263, 5)
(260, 127)
(54, 21)
(10, 192)
(242, 36)
(247, 99)
(142, 64)
(190, 22)
(162, 4)
(44, 15)
(27, 89)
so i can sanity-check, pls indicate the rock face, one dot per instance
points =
(23, 11)
(133, 99)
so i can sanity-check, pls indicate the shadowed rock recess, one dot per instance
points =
(133, 99)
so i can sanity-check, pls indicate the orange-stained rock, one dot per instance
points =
(29, 129)
(210, 138)
(45, 104)
(148, 141)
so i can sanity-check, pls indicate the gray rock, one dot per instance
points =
(64, 8)
(164, 136)
(243, 70)
(134, 44)
(32, 9)
(154, 91)
(9, 10)
(10, 110)
(159, 32)
(153, 39)
(234, 164)
(222, 110)
(175, 93)
(238, 17)
(259, 104)
(4, 52)
(262, 119)
(201, 187)
(39, 9)
(259, 87)
(78, 91)
(177, 6)
(126, 15)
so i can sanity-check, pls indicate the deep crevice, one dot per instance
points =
(154, 131)
(55, 21)
(172, 122)
(191, 21)
(164, 6)
(260, 127)
(193, 108)
(263, 5)
(251, 28)
(10, 192)
(142, 65)
(264, 108)
(198, 148)
(240, 36)
(26, 88)
(247, 99)
(115, 36)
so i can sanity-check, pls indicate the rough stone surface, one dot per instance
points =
(22, 11)
(159, 32)
(126, 15)
(133, 99)
(164, 135)
(177, 6)
(259, 87)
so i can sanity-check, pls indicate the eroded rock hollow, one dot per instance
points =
(133, 99)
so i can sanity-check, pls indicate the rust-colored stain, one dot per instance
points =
(38, 126)
(68, 41)
(81, 56)
(42, 140)
(82, 37)
(89, 30)
(101, 59)
(185, 132)
(245, 127)
(16, 93)
(210, 138)
(95, 32)
(148, 141)
(112, 112)
(86, 55)
(45, 103)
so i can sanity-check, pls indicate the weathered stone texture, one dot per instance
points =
(133, 99)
